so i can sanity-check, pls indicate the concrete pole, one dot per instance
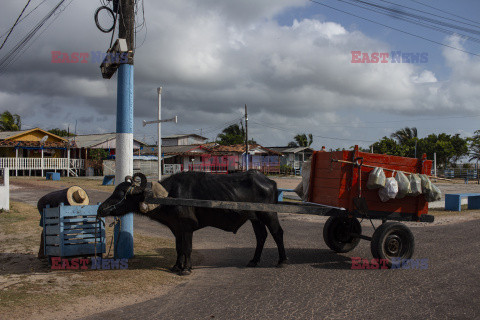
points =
(124, 156)
(159, 128)
(123, 233)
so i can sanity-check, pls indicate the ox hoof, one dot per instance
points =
(185, 272)
(282, 264)
(176, 268)
(252, 264)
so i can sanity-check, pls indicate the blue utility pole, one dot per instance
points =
(123, 233)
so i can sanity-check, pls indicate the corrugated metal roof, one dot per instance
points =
(183, 136)
(291, 149)
(91, 140)
(8, 134)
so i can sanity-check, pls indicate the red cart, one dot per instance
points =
(339, 179)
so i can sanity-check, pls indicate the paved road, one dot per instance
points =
(317, 284)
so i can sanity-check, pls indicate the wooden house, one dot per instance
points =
(34, 151)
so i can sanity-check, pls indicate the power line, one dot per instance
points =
(16, 21)
(26, 16)
(416, 19)
(396, 29)
(315, 135)
(452, 14)
(17, 50)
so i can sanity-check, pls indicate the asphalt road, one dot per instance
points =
(317, 284)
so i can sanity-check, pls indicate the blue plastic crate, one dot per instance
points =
(73, 231)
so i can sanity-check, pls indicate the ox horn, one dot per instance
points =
(143, 180)
(128, 179)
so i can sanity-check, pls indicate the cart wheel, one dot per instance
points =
(392, 240)
(337, 233)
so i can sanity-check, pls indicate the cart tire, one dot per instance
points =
(336, 233)
(392, 240)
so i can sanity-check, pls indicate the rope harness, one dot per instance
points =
(116, 220)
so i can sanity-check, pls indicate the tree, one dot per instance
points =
(10, 122)
(301, 140)
(234, 134)
(404, 135)
(61, 132)
(474, 146)
(97, 154)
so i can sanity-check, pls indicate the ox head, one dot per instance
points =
(126, 197)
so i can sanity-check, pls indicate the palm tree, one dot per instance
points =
(404, 135)
(10, 122)
(302, 140)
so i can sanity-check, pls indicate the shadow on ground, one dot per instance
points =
(239, 257)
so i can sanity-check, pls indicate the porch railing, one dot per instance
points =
(42, 164)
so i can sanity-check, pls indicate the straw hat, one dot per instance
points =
(76, 196)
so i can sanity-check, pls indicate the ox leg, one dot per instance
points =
(187, 252)
(178, 246)
(261, 235)
(271, 221)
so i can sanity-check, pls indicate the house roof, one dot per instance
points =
(10, 135)
(183, 150)
(92, 140)
(240, 148)
(7, 140)
(176, 136)
(292, 149)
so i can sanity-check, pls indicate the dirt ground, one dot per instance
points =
(30, 289)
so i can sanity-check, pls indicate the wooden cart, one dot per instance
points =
(338, 189)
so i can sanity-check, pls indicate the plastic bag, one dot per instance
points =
(415, 185)
(403, 185)
(433, 194)
(426, 184)
(389, 191)
(302, 188)
(376, 179)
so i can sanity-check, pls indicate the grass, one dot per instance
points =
(442, 212)
(29, 285)
(65, 182)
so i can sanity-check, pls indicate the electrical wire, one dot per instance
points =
(315, 135)
(21, 47)
(24, 17)
(419, 20)
(452, 14)
(396, 29)
(16, 22)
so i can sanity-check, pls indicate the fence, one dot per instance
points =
(15, 164)
(460, 173)
(212, 168)
(266, 168)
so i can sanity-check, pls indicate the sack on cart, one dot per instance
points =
(376, 179)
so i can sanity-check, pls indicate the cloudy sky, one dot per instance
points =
(289, 61)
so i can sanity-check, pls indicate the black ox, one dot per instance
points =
(250, 186)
